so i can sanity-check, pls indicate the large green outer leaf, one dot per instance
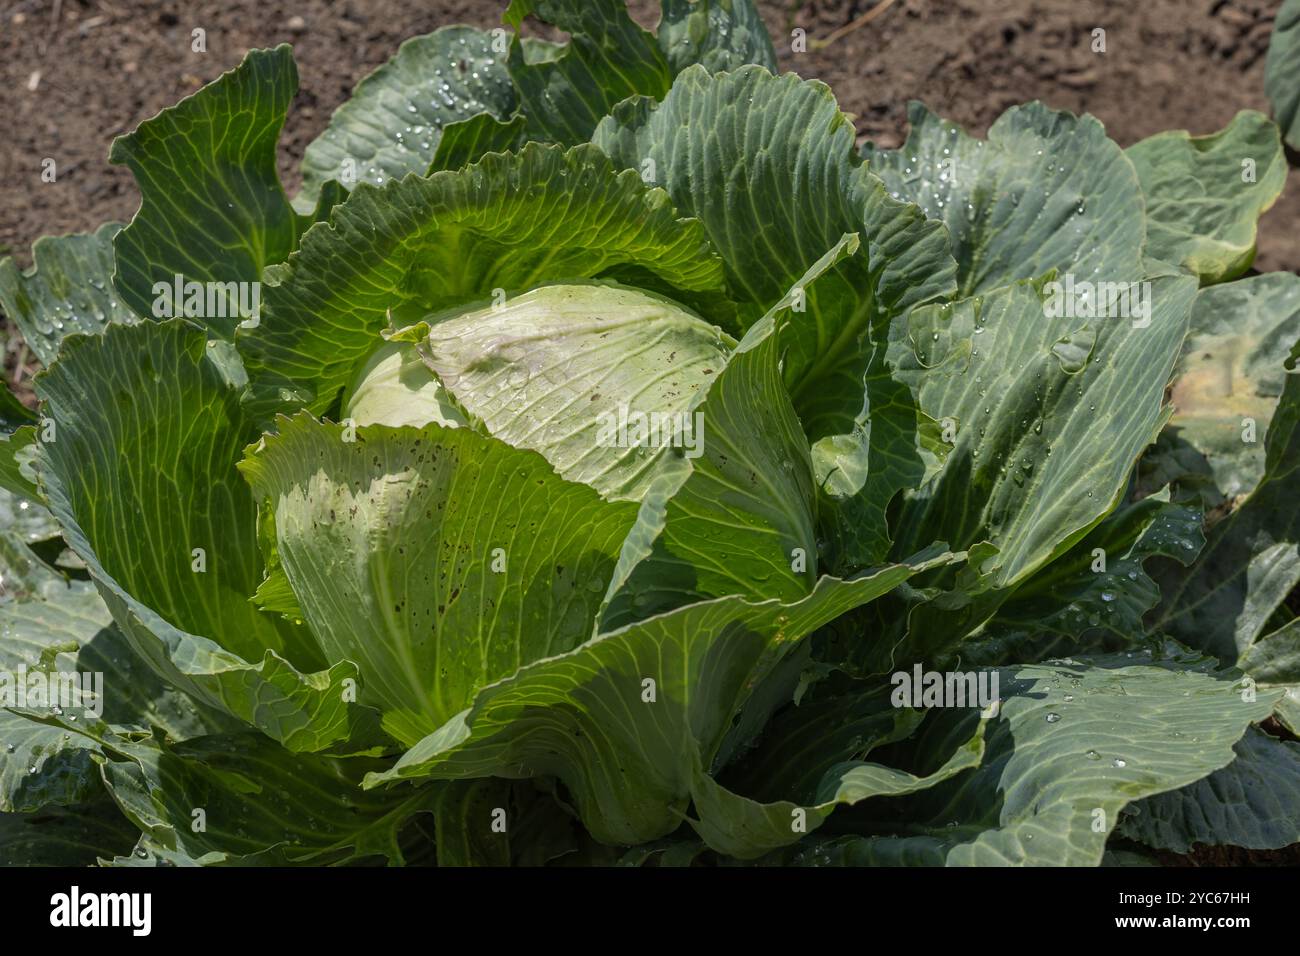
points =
(1231, 370)
(390, 543)
(394, 121)
(421, 245)
(718, 34)
(1047, 190)
(212, 207)
(1201, 206)
(584, 716)
(149, 431)
(68, 289)
(1050, 412)
(607, 59)
(1282, 71)
(1223, 603)
(1050, 788)
(551, 368)
(1254, 802)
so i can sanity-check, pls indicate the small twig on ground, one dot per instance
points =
(848, 28)
(54, 26)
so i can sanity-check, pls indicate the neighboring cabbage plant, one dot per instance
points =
(573, 468)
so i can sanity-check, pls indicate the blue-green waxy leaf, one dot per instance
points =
(1047, 190)
(1073, 743)
(1282, 71)
(417, 246)
(1043, 447)
(623, 720)
(564, 89)
(1227, 385)
(717, 34)
(213, 214)
(607, 59)
(1042, 450)
(1254, 802)
(1205, 193)
(142, 479)
(437, 559)
(394, 122)
(68, 289)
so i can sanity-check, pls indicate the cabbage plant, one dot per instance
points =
(602, 459)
